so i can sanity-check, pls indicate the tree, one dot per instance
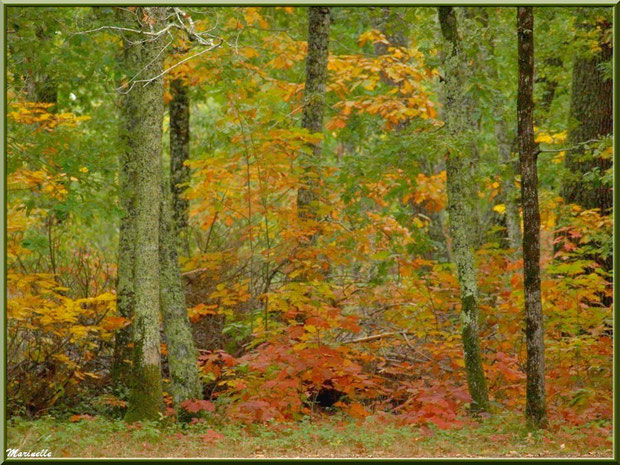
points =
(504, 137)
(459, 108)
(125, 293)
(535, 402)
(182, 354)
(314, 107)
(591, 112)
(143, 116)
(173, 227)
(179, 154)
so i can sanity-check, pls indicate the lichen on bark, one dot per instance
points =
(179, 154)
(459, 108)
(182, 354)
(144, 113)
(125, 296)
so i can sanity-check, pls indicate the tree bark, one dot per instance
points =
(458, 110)
(505, 138)
(179, 154)
(182, 353)
(510, 195)
(125, 295)
(314, 108)
(591, 110)
(146, 102)
(535, 402)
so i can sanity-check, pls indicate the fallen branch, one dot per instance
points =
(197, 270)
(375, 337)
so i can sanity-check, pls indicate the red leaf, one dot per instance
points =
(212, 436)
(194, 406)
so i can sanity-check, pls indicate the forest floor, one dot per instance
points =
(499, 436)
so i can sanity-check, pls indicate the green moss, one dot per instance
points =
(142, 128)
(145, 402)
(461, 163)
(179, 154)
(182, 353)
(473, 363)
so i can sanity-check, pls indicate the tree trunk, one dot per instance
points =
(506, 144)
(387, 20)
(179, 154)
(458, 110)
(509, 189)
(182, 354)
(535, 402)
(43, 87)
(145, 53)
(125, 295)
(505, 138)
(591, 110)
(314, 108)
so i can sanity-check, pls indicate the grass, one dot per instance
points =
(499, 436)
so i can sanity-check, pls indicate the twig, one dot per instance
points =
(374, 337)
(204, 38)
(576, 146)
(197, 270)
(148, 81)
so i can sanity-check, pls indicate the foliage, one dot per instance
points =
(353, 314)
(339, 436)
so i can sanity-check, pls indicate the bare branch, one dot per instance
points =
(576, 146)
(166, 71)
(374, 337)
(180, 21)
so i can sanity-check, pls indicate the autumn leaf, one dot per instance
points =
(195, 406)
(113, 323)
(76, 418)
(357, 410)
(212, 436)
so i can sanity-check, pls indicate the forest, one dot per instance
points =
(322, 231)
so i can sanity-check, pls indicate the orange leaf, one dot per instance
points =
(357, 410)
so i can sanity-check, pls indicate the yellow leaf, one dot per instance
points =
(559, 158)
(499, 208)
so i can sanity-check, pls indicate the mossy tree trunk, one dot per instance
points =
(313, 109)
(182, 353)
(125, 296)
(145, 53)
(459, 108)
(179, 154)
(535, 402)
(128, 61)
